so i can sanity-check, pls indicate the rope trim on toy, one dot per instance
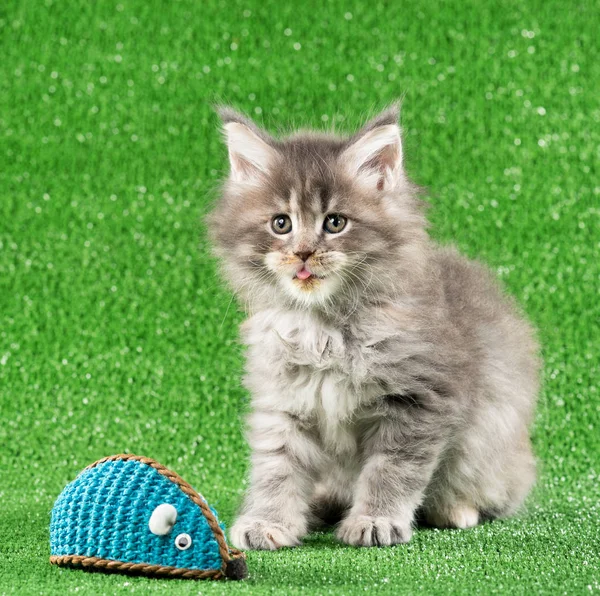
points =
(141, 568)
(227, 554)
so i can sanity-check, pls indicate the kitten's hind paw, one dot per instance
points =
(460, 516)
(366, 530)
(251, 533)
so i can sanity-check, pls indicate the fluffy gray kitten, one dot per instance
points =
(390, 377)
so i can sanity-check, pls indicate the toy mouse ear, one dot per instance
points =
(163, 519)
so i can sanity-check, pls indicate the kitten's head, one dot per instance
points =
(316, 220)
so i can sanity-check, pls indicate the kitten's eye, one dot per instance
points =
(281, 224)
(183, 541)
(334, 223)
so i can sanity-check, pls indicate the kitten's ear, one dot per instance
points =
(250, 153)
(374, 154)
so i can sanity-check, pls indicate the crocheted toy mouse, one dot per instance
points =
(131, 514)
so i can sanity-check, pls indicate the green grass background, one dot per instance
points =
(117, 335)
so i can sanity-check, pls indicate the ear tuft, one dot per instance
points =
(391, 115)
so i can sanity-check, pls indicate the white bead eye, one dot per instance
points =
(183, 541)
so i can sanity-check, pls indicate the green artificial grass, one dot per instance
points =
(117, 335)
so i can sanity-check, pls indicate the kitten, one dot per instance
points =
(389, 376)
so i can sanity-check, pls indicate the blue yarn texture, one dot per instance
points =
(105, 512)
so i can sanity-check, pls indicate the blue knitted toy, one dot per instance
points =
(131, 514)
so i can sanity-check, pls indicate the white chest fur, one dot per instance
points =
(299, 365)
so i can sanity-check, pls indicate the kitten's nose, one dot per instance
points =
(304, 254)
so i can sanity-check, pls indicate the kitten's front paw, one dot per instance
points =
(366, 530)
(252, 533)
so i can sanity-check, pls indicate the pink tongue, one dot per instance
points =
(303, 274)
